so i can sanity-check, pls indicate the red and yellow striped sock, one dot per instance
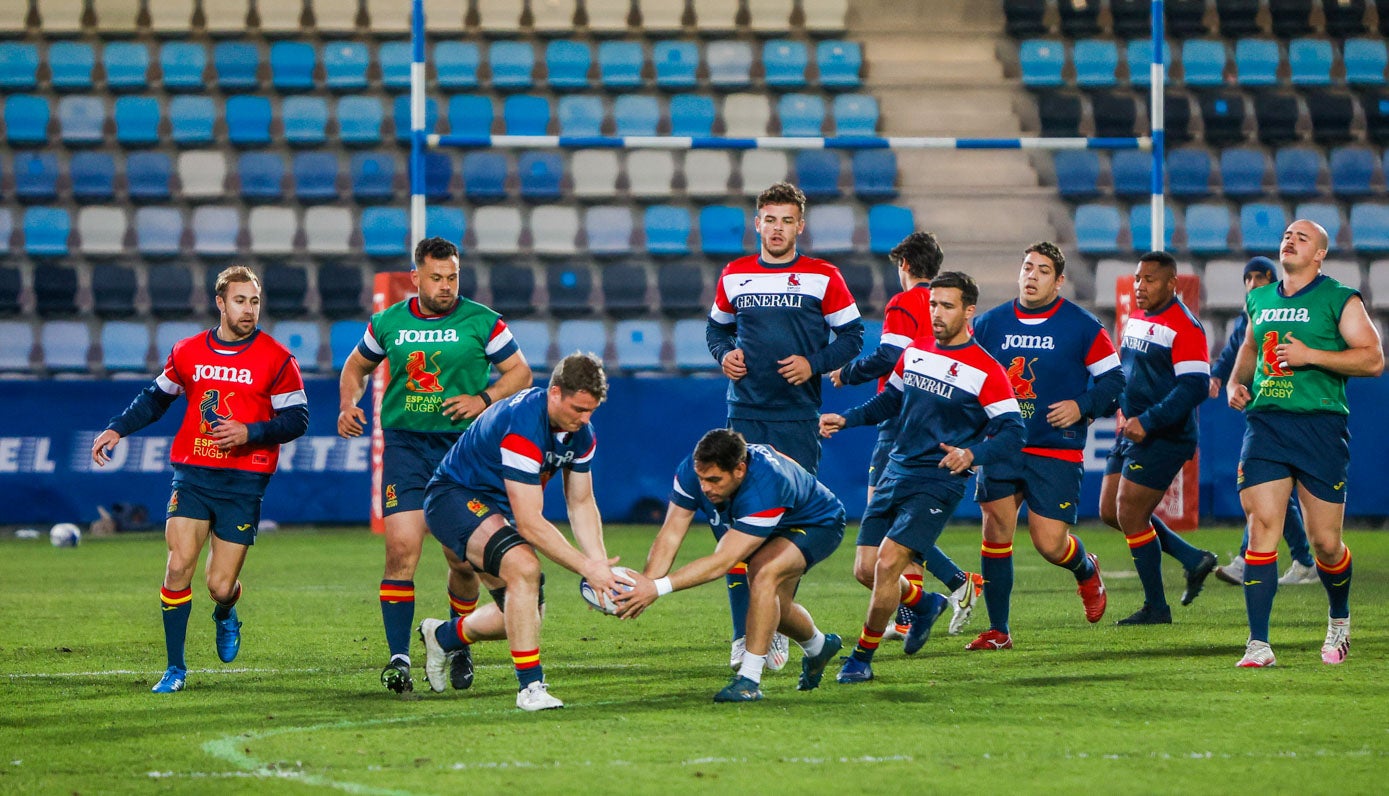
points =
(868, 642)
(1336, 580)
(461, 606)
(528, 669)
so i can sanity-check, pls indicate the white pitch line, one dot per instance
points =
(126, 672)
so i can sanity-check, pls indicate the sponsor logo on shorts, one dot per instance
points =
(391, 501)
(477, 507)
(1135, 466)
(244, 527)
(1338, 486)
(173, 502)
(1066, 505)
(937, 511)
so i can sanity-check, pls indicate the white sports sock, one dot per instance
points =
(405, 659)
(812, 647)
(752, 667)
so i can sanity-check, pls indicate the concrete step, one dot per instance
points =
(925, 16)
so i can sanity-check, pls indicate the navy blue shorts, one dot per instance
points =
(407, 465)
(234, 518)
(816, 542)
(1312, 449)
(1153, 463)
(1050, 486)
(877, 463)
(910, 509)
(452, 513)
(798, 439)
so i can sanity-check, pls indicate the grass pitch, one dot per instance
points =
(1074, 707)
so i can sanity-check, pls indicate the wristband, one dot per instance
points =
(486, 399)
(663, 587)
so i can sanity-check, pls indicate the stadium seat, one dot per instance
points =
(81, 120)
(191, 120)
(343, 337)
(215, 230)
(147, 176)
(681, 289)
(769, 17)
(1077, 173)
(1328, 215)
(625, 286)
(305, 120)
(167, 333)
(690, 115)
(1207, 229)
(113, 285)
(1256, 62)
(707, 172)
(384, 230)
(1378, 282)
(650, 173)
(554, 230)
(855, 114)
(401, 117)
(784, 63)
(345, 65)
(292, 65)
(1141, 226)
(691, 352)
(1097, 228)
(713, 16)
(817, 173)
(438, 176)
(1261, 226)
(302, 338)
(553, 17)
(6, 232)
(497, 230)
(667, 230)
(158, 231)
(1377, 116)
(327, 230)
(470, 115)
(1238, 17)
(636, 114)
(359, 120)
(1291, 17)
(125, 346)
(175, 16)
(286, 290)
(1332, 112)
(19, 65)
(1365, 60)
(55, 290)
(101, 233)
(570, 289)
(831, 228)
(801, 115)
(1203, 63)
(875, 174)
(373, 175)
(1177, 105)
(762, 167)
(394, 60)
(1115, 113)
(526, 114)
(1344, 18)
(839, 63)
(46, 231)
(1369, 227)
(1078, 17)
(1042, 62)
(237, 65)
(608, 17)
(1132, 173)
(389, 18)
(887, 226)
(677, 63)
(445, 222)
(567, 63)
(637, 344)
(513, 295)
(620, 64)
(315, 175)
(70, 65)
(1347, 272)
(35, 176)
(1310, 61)
(824, 17)
(540, 173)
(1297, 171)
(127, 65)
(248, 120)
(730, 64)
(261, 176)
(1059, 113)
(593, 173)
(746, 115)
(181, 66)
(1224, 114)
(512, 64)
(65, 346)
(16, 346)
(608, 230)
(1189, 173)
(230, 19)
(271, 230)
(137, 121)
(533, 338)
(1352, 170)
(1096, 63)
(1138, 54)
(484, 176)
(1025, 17)
(55, 16)
(335, 15)
(1277, 113)
(580, 115)
(170, 290)
(1243, 172)
(93, 176)
(721, 230)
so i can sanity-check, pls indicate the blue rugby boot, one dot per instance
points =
(926, 616)
(739, 689)
(173, 680)
(855, 671)
(813, 668)
(228, 636)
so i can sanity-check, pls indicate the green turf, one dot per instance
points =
(1073, 707)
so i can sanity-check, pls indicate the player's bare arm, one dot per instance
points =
(795, 369)
(668, 541)
(830, 423)
(733, 365)
(515, 376)
(735, 546)
(527, 501)
(584, 518)
(352, 384)
(1242, 374)
(1363, 356)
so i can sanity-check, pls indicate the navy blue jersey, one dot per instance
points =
(772, 311)
(907, 317)
(775, 494)
(1225, 361)
(513, 441)
(956, 395)
(1055, 353)
(1166, 363)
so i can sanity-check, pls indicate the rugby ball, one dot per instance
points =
(65, 534)
(602, 601)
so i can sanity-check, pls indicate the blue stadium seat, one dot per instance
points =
(340, 289)
(1139, 55)
(19, 63)
(691, 352)
(875, 174)
(540, 174)
(237, 65)
(305, 120)
(456, 64)
(1097, 228)
(65, 346)
(533, 337)
(286, 288)
(817, 172)
(637, 344)
(170, 289)
(729, 62)
(784, 63)
(292, 65)
(55, 290)
(470, 114)
(721, 229)
(1328, 215)
(526, 114)
(373, 175)
(345, 65)
(855, 114)
(1365, 61)
(677, 63)
(567, 63)
(261, 175)
(1096, 62)
(691, 114)
(1042, 61)
(1077, 173)
(81, 120)
(315, 176)
(1203, 62)
(1243, 171)
(580, 115)
(1310, 61)
(70, 65)
(394, 58)
(512, 64)
(46, 231)
(127, 65)
(831, 228)
(1369, 227)
(191, 120)
(801, 114)
(1189, 173)
(343, 337)
(1261, 226)
(384, 230)
(625, 288)
(1256, 62)
(1297, 171)
(359, 120)
(93, 176)
(215, 231)
(1207, 229)
(636, 114)
(9, 299)
(401, 107)
(667, 230)
(887, 226)
(35, 176)
(445, 222)
(1141, 226)
(248, 120)
(167, 333)
(484, 176)
(303, 339)
(620, 64)
(438, 176)
(26, 119)
(681, 288)
(608, 229)
(137, 120)
(840, 63)
(1132, 172)
(1352, 170)
(125, 346)
(147, 176)
(158, 231)
(182, 64)
(113, 290)
(513, 295)
(570, 287)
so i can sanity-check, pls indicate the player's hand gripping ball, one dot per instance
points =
(603, 601)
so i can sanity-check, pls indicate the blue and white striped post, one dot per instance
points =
(774, 142)
(1156, 86)
(417, 132)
